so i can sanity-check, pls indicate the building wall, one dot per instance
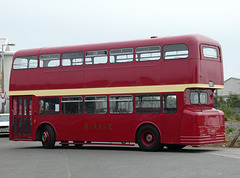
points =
(231, 85)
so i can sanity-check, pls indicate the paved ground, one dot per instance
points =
(29, 159)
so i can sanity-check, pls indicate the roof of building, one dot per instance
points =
(231, 78)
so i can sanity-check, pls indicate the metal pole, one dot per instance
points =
(2, 80)
(2, 62)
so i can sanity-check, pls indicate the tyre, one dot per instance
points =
(148, 138)
(48, 137)
(175, 146)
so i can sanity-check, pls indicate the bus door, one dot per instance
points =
(22, 117)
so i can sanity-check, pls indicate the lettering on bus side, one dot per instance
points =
(99, 126)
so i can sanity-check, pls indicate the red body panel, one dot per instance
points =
(189, 125)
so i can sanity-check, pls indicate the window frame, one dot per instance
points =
(116, 100)
(71, 60)
(125, 60)
(50, 59)
(94, 56)
(158, 109)
(50, 112)
(97, 96)
(147, 52)
(210, 58)
(72, 101)
(164, 108)
(28, 62)
(176, 56)
(199, 92)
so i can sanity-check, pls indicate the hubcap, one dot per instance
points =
(148, 138)
(45, 136)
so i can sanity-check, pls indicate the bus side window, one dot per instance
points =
(169, 103)
(122, 104)
(95, 105)
(148, 53)
(72, 59)
(49, 105)
(72, 105)
(175, 51)
(96, 57)
(121, 55)
(148, 103)
(50, 60)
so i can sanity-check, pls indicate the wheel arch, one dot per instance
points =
(144, 124)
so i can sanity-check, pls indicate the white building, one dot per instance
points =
(231, 85)
(7, 54)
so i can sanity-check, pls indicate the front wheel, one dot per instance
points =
(48, 137)
(148, 138)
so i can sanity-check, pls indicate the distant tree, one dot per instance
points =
(233, 100)
(218, 100)
(227, 111)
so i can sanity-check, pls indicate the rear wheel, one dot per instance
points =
(48, 137)
(148, 138)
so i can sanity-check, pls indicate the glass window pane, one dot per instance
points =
(121, 55)
(210, 52)
(121, 104)
(30, 106)
(14, 107)
(147, 103)
(49, 105)
(25, 106)
(72, 59)
(203, 98)
(25, 62)
(194, 98)
(169, 103)
(148, 53)
(50, 60)
(175, 51)
(20, 107)
(72, 105)
(96, 57)
(95, 105)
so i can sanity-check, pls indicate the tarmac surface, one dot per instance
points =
(29, 159)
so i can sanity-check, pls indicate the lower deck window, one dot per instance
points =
(95, 105)
(169, 103)
(49, 105)
(147, 103)
(121, 104)
(72, 105)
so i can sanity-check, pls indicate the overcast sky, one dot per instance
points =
(41, 23)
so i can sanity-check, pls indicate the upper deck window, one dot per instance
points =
(50, 60)
(72, 59)
(96, 57)
(121, 55)
(210, 52)
(148, 53)
(175, 51)
(25, 62)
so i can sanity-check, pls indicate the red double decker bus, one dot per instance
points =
(155, 92)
